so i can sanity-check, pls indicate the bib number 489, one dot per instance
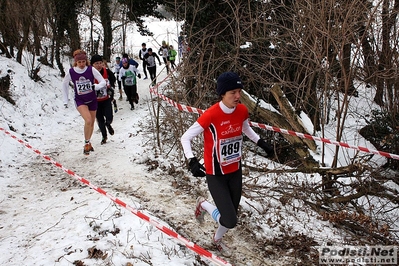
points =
(230, 150)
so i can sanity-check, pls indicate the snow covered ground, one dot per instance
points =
(49, 217)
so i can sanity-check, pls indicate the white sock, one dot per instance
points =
(214, 212)
(211, 209)
(220, 232)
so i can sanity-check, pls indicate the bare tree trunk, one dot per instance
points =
(74, 33)
(8, 27)
(124, 26)
(106, 23)
(36, 38)
(346, 82)
(25, 37)
(368, 55)
(384, 64)
(4, 50)
(58, 57)
(91, 15)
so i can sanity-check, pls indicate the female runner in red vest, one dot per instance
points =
(222, 125)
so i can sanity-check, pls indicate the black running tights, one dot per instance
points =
(226, 193)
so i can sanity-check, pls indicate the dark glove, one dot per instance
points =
(266, 147)
(197, 169)
(110, 91)
(138, 75)
(123, 77)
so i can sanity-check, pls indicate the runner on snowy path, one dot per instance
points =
(82, 75)
(222, 125)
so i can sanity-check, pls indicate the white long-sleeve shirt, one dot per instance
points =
(131, 68)
(65, 83)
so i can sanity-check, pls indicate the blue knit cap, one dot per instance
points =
(228, 81)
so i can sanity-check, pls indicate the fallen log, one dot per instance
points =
(300, 145)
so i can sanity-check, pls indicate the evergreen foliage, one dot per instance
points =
(383, 132)
(136, 9)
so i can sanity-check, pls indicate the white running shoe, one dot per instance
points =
(199, 211)
(222, 248)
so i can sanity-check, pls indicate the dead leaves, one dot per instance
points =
(358, 219)
(95, 253)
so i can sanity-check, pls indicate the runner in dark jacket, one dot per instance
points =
(143, 51)
(152, 65)
(105, 114)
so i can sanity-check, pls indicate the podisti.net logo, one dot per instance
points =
(347, 255)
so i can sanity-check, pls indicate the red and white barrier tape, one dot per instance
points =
(199, 250)
(178, 106)
(334, 142)
(189, 109)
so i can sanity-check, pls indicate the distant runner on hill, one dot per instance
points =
(127, 74)
(152, 65)
(143, 51)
